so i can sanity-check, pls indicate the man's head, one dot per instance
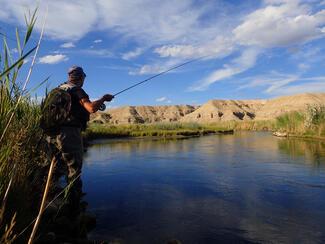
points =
(76, 75)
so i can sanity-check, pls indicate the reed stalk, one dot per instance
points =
(41, 210)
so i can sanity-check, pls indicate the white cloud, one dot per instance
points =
(279, 84)
(142, 19)
(147, 69)
(242, 63)
(280, 25)
(303, 66)
(284, 84)
(181, 30)
(132, 54)
(14, 50)
(98, 41)
(272, 81)
(26, 60)
(68, 45)
(161, 99)
(148, 21)
(53, 59)
(217, 48)
(38, 99)
(105, 53)
(66, 20)
(302, 88)
(157, 67)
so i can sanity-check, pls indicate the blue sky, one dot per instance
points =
(253, 48)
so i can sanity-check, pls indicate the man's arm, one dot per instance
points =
(94, 106)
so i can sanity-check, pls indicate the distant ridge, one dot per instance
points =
(212, 111)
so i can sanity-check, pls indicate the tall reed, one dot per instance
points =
(20, 154)
(310, 123)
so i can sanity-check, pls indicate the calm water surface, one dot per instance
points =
(242, 188)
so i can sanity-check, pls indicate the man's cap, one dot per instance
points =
(76, 71)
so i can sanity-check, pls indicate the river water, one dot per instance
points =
(242, 188)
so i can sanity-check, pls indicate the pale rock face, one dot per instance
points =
(212, 111)
(278, 106)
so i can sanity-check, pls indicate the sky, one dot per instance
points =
(252, 49)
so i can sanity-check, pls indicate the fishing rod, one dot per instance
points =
(103, 106)
(161, 73)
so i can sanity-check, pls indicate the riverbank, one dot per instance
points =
(164, 130)
(174, 130)
(309, 124)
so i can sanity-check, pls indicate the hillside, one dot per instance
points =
(212, 111)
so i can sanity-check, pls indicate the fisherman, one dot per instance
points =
(67, 145)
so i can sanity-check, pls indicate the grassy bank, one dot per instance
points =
(144, 130)
(308, 124)
(172, 129)
(301, 124)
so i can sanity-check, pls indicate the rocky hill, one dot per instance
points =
(143, 114)
(212, 111)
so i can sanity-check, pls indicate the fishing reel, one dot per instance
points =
(102, 107)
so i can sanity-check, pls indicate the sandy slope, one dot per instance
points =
(212, 111)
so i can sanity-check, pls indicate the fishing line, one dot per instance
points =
(161, 73)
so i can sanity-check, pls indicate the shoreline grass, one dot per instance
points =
(175, 129)
(308, 124)
(149, 130)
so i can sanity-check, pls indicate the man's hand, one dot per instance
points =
(94, 106)
(108, 97)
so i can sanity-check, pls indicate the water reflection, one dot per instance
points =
(313, 150)
(247, 187)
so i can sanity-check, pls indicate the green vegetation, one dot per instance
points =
(308, 124)
(20, 152)
(172, 129)
(302, 124)
(159, 129)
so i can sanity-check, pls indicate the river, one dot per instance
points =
(243, 188)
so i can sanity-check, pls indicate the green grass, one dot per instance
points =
(159, 129)
(174, 129)
(21, 153)
(308, 124)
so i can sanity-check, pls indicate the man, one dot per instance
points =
(67, 146)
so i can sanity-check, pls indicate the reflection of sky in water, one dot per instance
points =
(242, 187)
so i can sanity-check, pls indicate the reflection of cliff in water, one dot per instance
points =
(312, 150)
